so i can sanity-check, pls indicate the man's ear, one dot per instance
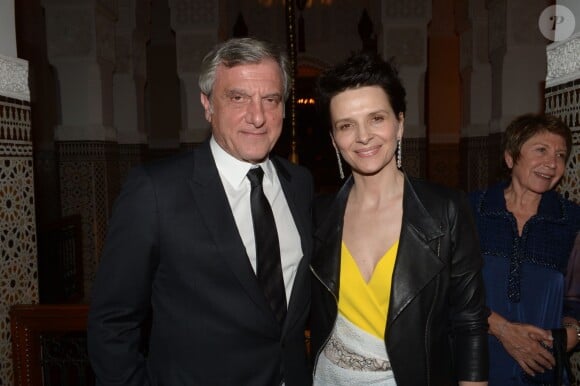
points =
(206, 103)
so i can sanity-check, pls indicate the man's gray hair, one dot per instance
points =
(238, 51)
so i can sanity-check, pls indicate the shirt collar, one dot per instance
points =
(233, 170)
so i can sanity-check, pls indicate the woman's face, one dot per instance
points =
(365, 129)
(541, 163)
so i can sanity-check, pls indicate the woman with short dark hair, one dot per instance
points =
(397, 295)
(526, 232)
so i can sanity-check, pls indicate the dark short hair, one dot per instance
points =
(526, 126)
(237, 51)
(358, 70)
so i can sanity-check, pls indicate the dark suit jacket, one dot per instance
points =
(173, 253)
(436, 331)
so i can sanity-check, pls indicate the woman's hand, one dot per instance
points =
(525, 343)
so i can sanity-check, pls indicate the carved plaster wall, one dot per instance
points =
(562, 98)
(18, 266)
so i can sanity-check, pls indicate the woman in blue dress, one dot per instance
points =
(527, 231)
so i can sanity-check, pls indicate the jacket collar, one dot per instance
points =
(328, 235)
(418, 226)
(418, 256)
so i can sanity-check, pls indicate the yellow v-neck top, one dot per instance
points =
(366, 304)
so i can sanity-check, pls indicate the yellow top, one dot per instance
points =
(366, 304)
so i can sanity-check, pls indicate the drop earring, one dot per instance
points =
(399, 155)
(340, 170)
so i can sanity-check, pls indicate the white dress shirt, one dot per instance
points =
(233, 173)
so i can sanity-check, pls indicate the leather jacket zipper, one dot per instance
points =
(336, 317)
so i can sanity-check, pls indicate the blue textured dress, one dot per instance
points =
(524, 276)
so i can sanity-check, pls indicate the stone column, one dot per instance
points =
(196, 26)
(131, 36)
(475, 72)
(80, 39)
(404, 36)
(18, 264)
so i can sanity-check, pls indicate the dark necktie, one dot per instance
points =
(269, 267)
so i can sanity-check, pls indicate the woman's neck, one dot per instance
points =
(375, 190)
(522, 203)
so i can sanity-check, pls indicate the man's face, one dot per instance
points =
(246, 109)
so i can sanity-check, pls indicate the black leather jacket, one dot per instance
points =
(436, 332)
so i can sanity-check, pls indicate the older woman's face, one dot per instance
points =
(541, 163)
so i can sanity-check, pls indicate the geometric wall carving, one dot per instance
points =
(89, 182)
(130, 155)
(18, 263)
(414, 156)
(563, 100)
(474, 163)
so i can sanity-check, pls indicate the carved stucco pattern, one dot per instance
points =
(14, 78)
(474, 163)
(570, 185)
(15, 124)
(18, 268)
(89, 182)
(414, 161)
(70, 32)
(129, 157)
(564, 101)
(563, 61)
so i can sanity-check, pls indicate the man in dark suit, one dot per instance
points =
(181, 249)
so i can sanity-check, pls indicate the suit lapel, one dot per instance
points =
(418, 260)
(303, 224)
(211, 200)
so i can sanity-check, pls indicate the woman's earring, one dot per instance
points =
(399, 155)
(340, 171)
